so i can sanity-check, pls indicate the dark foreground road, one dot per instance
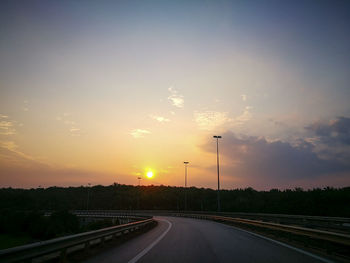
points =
(191, 240)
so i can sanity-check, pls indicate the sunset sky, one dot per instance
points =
(104, 91)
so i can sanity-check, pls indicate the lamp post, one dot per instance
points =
(139, 178)
(186, 163)
(217, 162)
(88, 197)
(139, 192)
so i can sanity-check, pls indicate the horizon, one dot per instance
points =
(175, 186)
(102, 92)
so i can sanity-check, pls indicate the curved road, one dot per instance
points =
(177, 239)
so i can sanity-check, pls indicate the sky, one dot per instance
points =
(105, 91)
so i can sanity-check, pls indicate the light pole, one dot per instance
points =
(88, 197)
(217, 162)
(186, 163)
(139, 192)
(139, 178)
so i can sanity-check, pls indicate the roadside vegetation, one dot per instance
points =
(22, 217)
(23, 227)
(321, 202)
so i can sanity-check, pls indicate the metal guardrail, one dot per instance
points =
(60, 246)
(342, 239)
(267, 221)
(308, 229)
(336, 224)
(333, 224)
(293, 224)
(108, 214)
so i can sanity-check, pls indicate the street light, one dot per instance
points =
(139, 192)
(88, 197)
(139, 178)
(186, 163)
(217, 162)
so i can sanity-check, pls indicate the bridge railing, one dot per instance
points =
(310, 228)
(60, 247)
(333, 224)
(337, 244)
(329, 234)
(340, 238)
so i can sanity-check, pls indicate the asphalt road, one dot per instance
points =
(178, 239)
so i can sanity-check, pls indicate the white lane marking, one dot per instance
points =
(143, 252)
(288, 246)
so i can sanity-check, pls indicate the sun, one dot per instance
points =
(149, 174)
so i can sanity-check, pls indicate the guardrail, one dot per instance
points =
(339, 238)
(271, 221)
(292, 225)
(291, 229)
(333, 224)
(336, 224)
(337, 244)
(60, 247)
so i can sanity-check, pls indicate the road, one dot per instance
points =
(177, 239)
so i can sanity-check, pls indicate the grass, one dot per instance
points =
(7, 241)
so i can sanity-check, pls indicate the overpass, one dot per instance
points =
(186, 237)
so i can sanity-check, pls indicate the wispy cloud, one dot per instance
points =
(176, 99)
(7, 126)
(244, 117)
(75, 131)
(22, 170)
(208, 120)
(139, 133)
(159, 118)
(67, 120)
(25, 107)
(13, 147)
(244, 97)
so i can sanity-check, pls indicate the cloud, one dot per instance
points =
(75, 131)
(66, 119)
(139, 133)
(244, 117)
(209, 120)
(159, 118)
(331, 139)
(7, 127)
(175, 98)
(336, 131)
(244, 97)
(25, 107)
(258, 162)
(17, 170)
(13, 147)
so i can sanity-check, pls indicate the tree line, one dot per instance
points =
(22, 227)
(322, 202)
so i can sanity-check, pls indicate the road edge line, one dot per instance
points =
(286, 245)
(144, 252)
